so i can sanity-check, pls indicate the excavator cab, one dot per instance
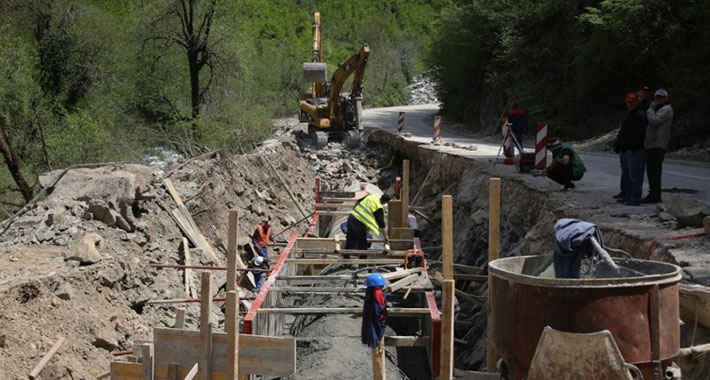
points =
(328, 112)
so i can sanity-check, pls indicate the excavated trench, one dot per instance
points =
(527, 217)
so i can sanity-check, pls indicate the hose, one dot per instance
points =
(677, 237)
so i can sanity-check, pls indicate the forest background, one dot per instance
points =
(86, 81)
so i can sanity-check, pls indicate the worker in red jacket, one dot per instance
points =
(519, 122)
(374, 319)
(261, 238)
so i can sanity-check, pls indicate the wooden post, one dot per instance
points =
(447, 330)
(206, 326)
(46, 358)
(147, 358)
(378, 361)
(180, 318)
(232, 327)
(447, 237)
(493, 254)
(405, 193)
(232, 250)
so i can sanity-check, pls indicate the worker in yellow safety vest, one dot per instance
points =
(368, 213)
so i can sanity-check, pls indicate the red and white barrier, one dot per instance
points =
(437, 130)
(400, 122)
(507, 140)
(541, 146)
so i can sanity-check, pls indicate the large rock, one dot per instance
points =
(84, 251)
(689, 211)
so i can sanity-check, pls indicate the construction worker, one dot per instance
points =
(368, 213)
(258, 262)
(519, 122)
(629, 144)
(374, 319)
(261, 238)
(566, 165)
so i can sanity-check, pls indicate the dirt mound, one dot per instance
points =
(76, 264)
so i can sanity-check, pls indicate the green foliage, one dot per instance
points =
(104, 80)
(569, 62)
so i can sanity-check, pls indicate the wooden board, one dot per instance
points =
(394, 214)
(405, 234)
(126, 371)
(407, 341)
(268, 356)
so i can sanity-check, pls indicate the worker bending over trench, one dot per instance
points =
(368, 213)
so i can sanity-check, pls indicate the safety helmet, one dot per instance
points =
(375, 279)
(258, 260)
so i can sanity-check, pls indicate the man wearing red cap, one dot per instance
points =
(629, 143)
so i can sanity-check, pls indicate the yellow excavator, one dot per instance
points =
(328, 112)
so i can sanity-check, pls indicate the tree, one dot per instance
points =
(195, 41)
(12, 160)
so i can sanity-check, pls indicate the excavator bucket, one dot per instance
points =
(315, 72)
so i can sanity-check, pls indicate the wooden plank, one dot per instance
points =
(447, 237)
(147, 360)
(319, 252)
(493, 254)
(189, 292)
(405, 195)
(470, 277)
(474, 375)
(126, 371)
(447, 331)
(180, 318)
(259, 355)
(104, 375)
(232, 328)
(333, 213)
(395, 286)
(187, 224)
(205, 354)
(401, 274)
(342, 310)
(46, 358)
(407, 341)
(344, 261)
(394, 214)
(191, 375)
(352, 200)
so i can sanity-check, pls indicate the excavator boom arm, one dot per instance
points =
(356, 63)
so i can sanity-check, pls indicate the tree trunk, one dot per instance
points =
(13, 161)
(194, 91)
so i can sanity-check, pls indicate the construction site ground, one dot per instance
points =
(77, 263)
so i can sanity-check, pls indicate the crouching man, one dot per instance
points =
(566, 165)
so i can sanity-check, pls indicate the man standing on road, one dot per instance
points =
(566, 165)
(368, 213)
(629, 143)
(658, 132)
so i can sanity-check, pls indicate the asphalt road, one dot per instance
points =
(603, 170)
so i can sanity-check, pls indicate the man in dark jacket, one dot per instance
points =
(629, 143)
